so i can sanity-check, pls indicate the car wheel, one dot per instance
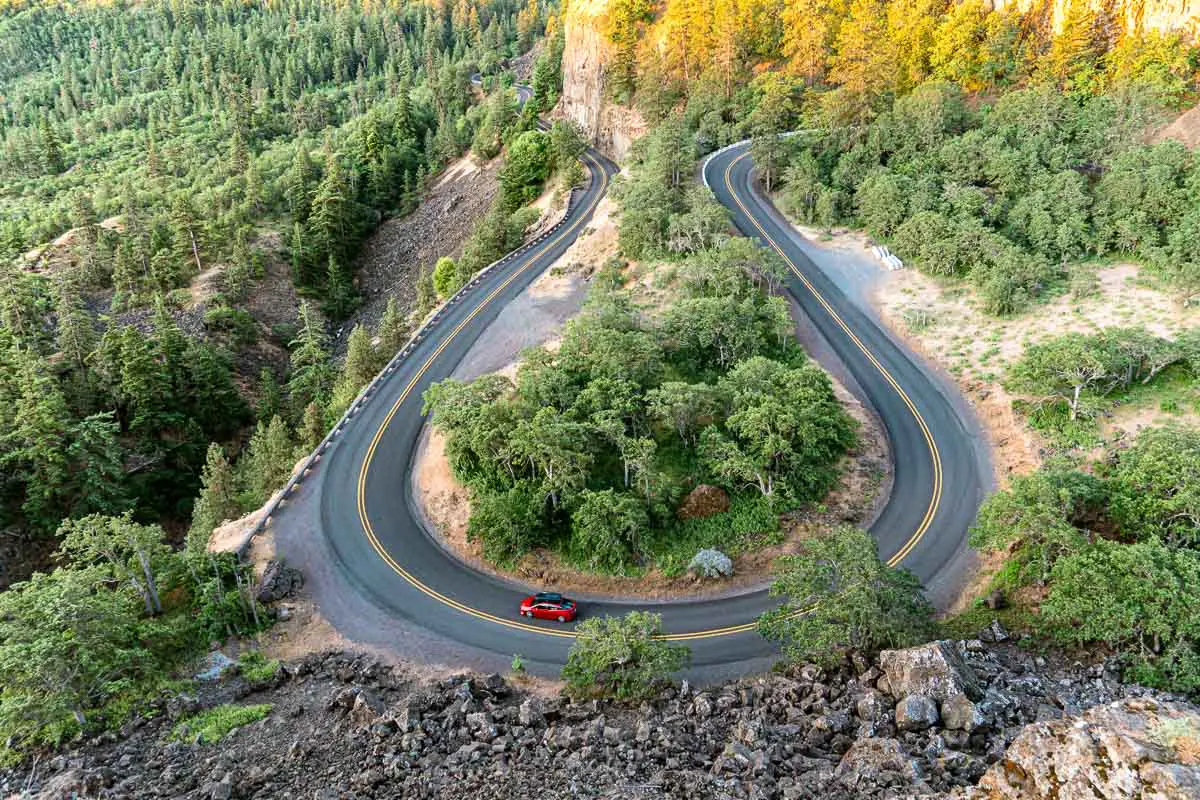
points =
(561, 618)
(527, 613)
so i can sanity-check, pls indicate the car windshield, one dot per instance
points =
(549, 597)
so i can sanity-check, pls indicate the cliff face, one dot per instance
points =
(1134, 15)
(610, 127)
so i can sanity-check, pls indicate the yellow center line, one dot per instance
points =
(687, 636)
(936, 496)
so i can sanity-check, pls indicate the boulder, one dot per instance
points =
(213, 666)
(367, 709)
(874, 759)
(703, 501)
(993, 633)
(530, 713)
(916, 712)
(935, 670)
(278, 581)
(1134, 748)
(960, 713)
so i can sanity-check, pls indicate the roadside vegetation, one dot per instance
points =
(622, 658)
(840, 597)
(1069, 381)
(214, 724)
(94, 640)
(1109, 551)
(1009, 162)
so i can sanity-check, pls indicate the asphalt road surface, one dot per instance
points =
(367, 509)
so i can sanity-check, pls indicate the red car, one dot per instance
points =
(549, 605)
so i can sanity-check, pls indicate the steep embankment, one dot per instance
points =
(612, 128)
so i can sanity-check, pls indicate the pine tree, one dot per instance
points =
(76, 334)
(97, 469)
(426, 294)
(270, 399)
(87, 239)
(240, 273)
(52, 157)
(312, 430)
(357, 370)
(329, 220)
(126, 277)
(268, 460)
(297, 183)
(218, 500)
(340, 298)
(393, 332)
(311, 371)
(170, 344)
(35, 446)
(144, 388)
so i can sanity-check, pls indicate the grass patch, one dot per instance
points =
(967, 624)
(1172, 392)
(257, 668)
(212, 725)
(751, 522)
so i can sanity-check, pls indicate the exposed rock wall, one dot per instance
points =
(1135, 15)
(611, 128)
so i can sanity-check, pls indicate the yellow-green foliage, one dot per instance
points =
(210, 726)
(257, 668)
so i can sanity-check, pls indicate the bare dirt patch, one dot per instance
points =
(945, 322)
(1186, 128)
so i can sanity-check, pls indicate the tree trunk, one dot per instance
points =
(195, 250)
(1075, 402)
(151, 587)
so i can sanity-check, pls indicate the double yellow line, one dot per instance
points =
(935, 456)
(450, 602)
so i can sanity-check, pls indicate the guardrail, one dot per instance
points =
(364, 396)
(728, 147)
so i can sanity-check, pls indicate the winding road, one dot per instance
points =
(383, 552)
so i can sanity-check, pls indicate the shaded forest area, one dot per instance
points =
(166, 140)
(150, 145)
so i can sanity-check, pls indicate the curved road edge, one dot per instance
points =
(384, 582)
(941, 453)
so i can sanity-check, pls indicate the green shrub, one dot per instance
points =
(257, 668)
(212, 725)
(621, 658)
(841, 596)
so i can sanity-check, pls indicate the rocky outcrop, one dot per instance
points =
(935, 670)
(277, 582)
(1131, 15)
(703, 501)
(347, 726)
(1131, 749)
(611, 128)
